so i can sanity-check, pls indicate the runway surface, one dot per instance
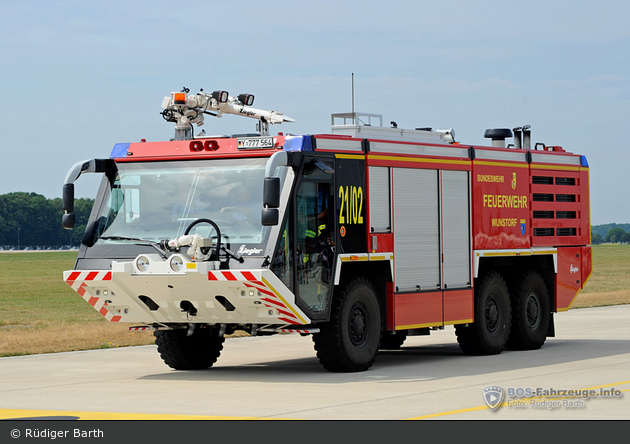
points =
(280, 377)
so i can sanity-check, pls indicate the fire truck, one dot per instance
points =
(358, 238)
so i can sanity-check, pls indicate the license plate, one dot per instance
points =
(255, 143)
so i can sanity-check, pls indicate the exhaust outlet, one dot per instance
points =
(527, 137)
(518, 134)
(498, 136)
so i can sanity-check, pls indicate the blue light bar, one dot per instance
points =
(584, 162)
(120, 150)
(298, 143)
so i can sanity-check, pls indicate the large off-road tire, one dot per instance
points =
(393, 341)
(530, 312)
(349, 341)
(489, 333)
(183, 352)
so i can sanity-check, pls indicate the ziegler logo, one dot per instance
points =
(248, 251)
(246, 112)
(574, 269)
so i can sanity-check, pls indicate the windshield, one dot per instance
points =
(154, 201)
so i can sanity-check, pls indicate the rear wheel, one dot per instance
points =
(349, 341)
(530, 312)
(489, 333)
(182, 352)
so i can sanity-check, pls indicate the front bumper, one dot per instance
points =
(238, 297)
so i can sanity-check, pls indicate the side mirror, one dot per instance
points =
(271, 192)
(68, 220)
(270, 217)
(87, 166)
(68, 198)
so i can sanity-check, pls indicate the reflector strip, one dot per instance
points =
(286, 313)
(304, 331)
(89, 276)
(262, 290)
(271, 299)
(79, 280)
(282, 299)
(249, 276)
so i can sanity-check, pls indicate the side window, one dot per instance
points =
(282, 262)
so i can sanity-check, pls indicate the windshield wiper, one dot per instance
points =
(236, 256)
(141, 242)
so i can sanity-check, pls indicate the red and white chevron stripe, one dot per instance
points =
(303, 331)
(270, 298)
(233, 275)
(77, 280)
(89, 276)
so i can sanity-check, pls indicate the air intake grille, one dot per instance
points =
(565, 215)
(565, 197)
(542, 180)
(567, 231)
(540, 197)
(565, 180)
(543, 231)
(556, 208)
(543, 214)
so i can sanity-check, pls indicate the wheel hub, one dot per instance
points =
(532, 308)
(357, 324)
(492, 315)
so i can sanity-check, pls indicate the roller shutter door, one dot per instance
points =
(416, 229)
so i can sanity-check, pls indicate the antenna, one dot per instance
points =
(354, 117)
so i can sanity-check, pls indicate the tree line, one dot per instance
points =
(32, 220)
(614, 235)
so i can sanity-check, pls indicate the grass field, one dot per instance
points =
(610, 282)
(40, 313)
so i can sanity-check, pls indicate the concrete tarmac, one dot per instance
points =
(279, 377)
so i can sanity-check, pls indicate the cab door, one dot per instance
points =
(305, 251)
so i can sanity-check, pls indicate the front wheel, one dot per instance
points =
(489, 333)
(349, 341)
(182, 352)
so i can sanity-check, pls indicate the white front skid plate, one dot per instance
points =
(253, 296)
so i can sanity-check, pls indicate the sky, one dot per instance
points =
(78, 77)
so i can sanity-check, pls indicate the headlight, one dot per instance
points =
(142, 263)
(177, 263)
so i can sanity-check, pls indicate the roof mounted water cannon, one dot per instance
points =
(185, 110)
